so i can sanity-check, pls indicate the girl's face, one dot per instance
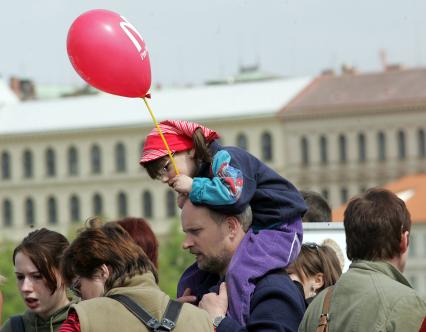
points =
(33, 288)
(310, 284)
(185, 163)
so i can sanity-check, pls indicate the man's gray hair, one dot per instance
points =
(245, 218)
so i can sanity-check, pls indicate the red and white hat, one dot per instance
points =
(178, 135)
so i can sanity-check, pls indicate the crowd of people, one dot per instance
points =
(252, 272)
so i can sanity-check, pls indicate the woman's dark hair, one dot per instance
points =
(143, 235)
(45, 248)
(108, 244)
(313, 259)
(374, 222)
(201, 154)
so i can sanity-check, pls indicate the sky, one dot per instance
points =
(193, 41)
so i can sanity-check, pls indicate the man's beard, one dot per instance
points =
(216, 264)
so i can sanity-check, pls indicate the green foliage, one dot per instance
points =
(173, 260)
(13, 303)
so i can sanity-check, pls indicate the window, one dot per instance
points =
(50, 160)
(52, 211)
(75, 209)
(266, 147)
(5, 166)
(147, 204)
(97, 205)
(95, 159)
(421, 143)
(29, 212)
(242, 141)
(362, 189)
(7, 213)
(27, 164)
(72, 161)
(342, 149)
(362, 152)
(171, 203)
(381, 146)
(122, 204)
(323, 150)
(344, 195)
(401, 145)
(304, 148)
(120, 158)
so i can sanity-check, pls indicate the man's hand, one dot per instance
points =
(215, 304)
(181, 183)
(187, 297)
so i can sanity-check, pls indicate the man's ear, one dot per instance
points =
(233, 225)
(405, 241)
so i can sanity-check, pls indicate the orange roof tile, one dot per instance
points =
(411, 189)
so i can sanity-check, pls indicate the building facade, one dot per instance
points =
(64, 161)
(344, 134)
(67, 160)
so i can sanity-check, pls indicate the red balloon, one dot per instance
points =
(109, 53)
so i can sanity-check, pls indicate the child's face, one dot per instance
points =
(184, 162)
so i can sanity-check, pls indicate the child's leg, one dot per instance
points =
(258, 254)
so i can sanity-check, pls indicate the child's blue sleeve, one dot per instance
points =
(224, 188)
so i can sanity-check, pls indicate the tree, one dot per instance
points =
(13, 303)
(173, 260)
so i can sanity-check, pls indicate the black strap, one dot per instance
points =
(17, 323)
(171, 315)
(168, 321)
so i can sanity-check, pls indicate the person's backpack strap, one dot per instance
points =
(171, 315)
(17, 323)
(324, 318)
(168, 321)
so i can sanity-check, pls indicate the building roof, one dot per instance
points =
(198, 103)
(354, 92)
(411, 189)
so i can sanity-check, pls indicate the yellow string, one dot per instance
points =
(162, 136)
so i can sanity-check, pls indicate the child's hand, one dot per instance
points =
(181, 183)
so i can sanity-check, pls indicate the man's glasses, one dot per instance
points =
(75, 287)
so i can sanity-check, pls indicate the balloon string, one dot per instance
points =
(162, 136)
